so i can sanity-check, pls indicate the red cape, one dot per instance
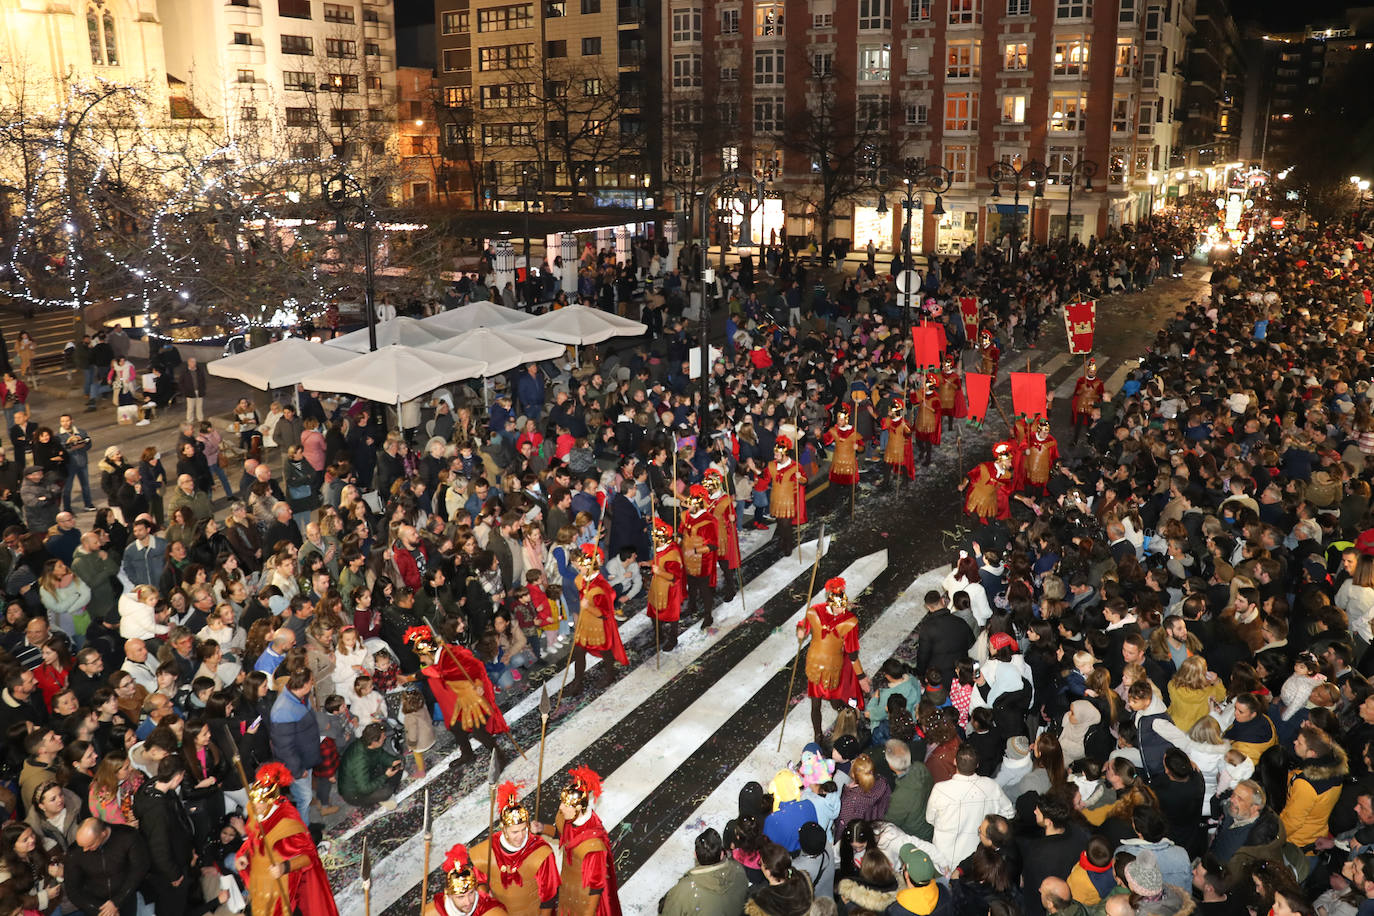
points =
(451, 665)
(309, 887)
(604, 596)
(598, 868)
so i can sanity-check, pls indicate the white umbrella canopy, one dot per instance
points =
(473, 315)
(394, 374)
(501, 349)
(279, 364)
(579, 325)
(407, 332)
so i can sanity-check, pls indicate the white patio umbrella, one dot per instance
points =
(473, 315)
(279, 364)
(392, 375)
(579, 325)
(501, 349)
(407, 332)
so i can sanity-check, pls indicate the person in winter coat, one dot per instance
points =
(866, 796)
(1314, 787)
(166, 828)
(41, 497)
(137, 619)
(958, 805)
(1250, 831)
(369, 774)
(715, 886)
(910, 790)
(295, 736)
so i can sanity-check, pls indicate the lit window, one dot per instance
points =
(768, 19)
(961, 111)
(875, 63)
(1014, 109)
(1015, 55)
(100, 26)
(961, 59)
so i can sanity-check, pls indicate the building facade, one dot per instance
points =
(306, 78)
(552, 101)
(1211, 107)
(760, 84)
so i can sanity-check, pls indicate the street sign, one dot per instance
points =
(1278, 222)
(908, 281)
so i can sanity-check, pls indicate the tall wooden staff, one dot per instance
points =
(282, 887)
(796, 461)
(854, 416)
(544, 711)
(596, 542)
(366, 877)
(429, 841)
(810, 590)
(493, 774)
(443, 644)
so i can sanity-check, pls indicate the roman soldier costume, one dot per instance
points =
(461, 894)
(845, 438)
(1088, 392)
(1036, 460)
(727, 529)
(459, 682)
(833, 671)
(990, 355)
(897, 454)
(787, 494)
(700, 544)
(596, 631)
(589, 885)
(987, 489)
(276, 835)
(668, 585)
(952, 401)
(524, 872)
(925, 407)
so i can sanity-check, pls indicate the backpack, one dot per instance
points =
(551, 570)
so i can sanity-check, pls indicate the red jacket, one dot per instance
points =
(406, 565)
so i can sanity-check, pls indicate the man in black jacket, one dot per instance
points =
(166, 829)
(942, 638)
(105, 868)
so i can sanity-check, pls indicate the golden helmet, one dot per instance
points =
(697, 497)
(584, 786)
(662, 534)
(462, 877)
(508, 804)
(835, 598)
(589, 559)
(1092, 368)
(714, 482)
(273, 779)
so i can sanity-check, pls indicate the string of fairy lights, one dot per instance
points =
(170, 266)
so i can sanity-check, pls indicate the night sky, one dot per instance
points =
(1286, 15)
(414, 12)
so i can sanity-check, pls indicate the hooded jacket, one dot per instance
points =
(709, 890)
(1313, 790)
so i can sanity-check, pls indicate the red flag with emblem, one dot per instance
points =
(929, 342)
(979, 386)
(968, 306)
(1080, 320)
(1028, 398)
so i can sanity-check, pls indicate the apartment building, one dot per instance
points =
(1215, 89)
(306, 77)
(554, 101)
(417, 135)
(760, 84)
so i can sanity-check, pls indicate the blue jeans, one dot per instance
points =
(302, 792)
(223, 479)
(95, 382)
(76, 472)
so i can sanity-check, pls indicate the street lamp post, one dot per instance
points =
(1028, 173)
(343, 193)
(740, 186)
(918, 176)
(528, 188)
(1154, 180)
(1087, 170)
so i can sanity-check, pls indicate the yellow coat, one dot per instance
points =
(1187, 705)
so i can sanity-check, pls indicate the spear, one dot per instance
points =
(429, 841)
(254, 819)
(366, 876)
(544, 710)
(596, 545)
(477, 688)
(493, 774)
(810, 590)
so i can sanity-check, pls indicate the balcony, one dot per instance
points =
(243, 55)
(632, 14)
(242, 16)
(631, 58)
(378, 62)
(631, 101)
(376, 31)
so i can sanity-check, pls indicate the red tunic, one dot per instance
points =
(927, 413)
(1035, 462)
(834, 640)
(459, 681)
(587, 866)
(844, 464)
(309, 886)
(668, 585)
(511, 870)
(987, 495)
(723, 508)
(899, 428)
(596, 630)
(701, 532)
(1087, 394)
(789, 481)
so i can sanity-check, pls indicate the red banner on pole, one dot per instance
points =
(1028, 398)
(928, 342)
(1080, 320)
(979, 388)
(968, 306)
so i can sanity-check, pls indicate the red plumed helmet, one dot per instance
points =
(275, 773)
(592, 552)
(587, 779)
(457, 858)
(697, 491)
(1003, 449)
(782, 442)
(834, 586)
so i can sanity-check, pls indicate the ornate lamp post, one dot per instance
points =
(1087, 170)
(1029, 174)
(918, 177)
(344, 193)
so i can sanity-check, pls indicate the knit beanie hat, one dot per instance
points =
(812, 837)
(1143, 875)
(751, 800)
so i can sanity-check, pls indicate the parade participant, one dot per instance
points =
(952, 402)
(727, 529)
(668, 585)
(990, 355)
(1088, 392)
(925, 405)
(524, 867)
(897, 454)
(833, 671)
(1036, 459)
(278, 845)
(700, 543)
(787, 496)
(460, 684)
(987, 488)
(589, 885)
(596, 631)
(461, 894)
(844, 462)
